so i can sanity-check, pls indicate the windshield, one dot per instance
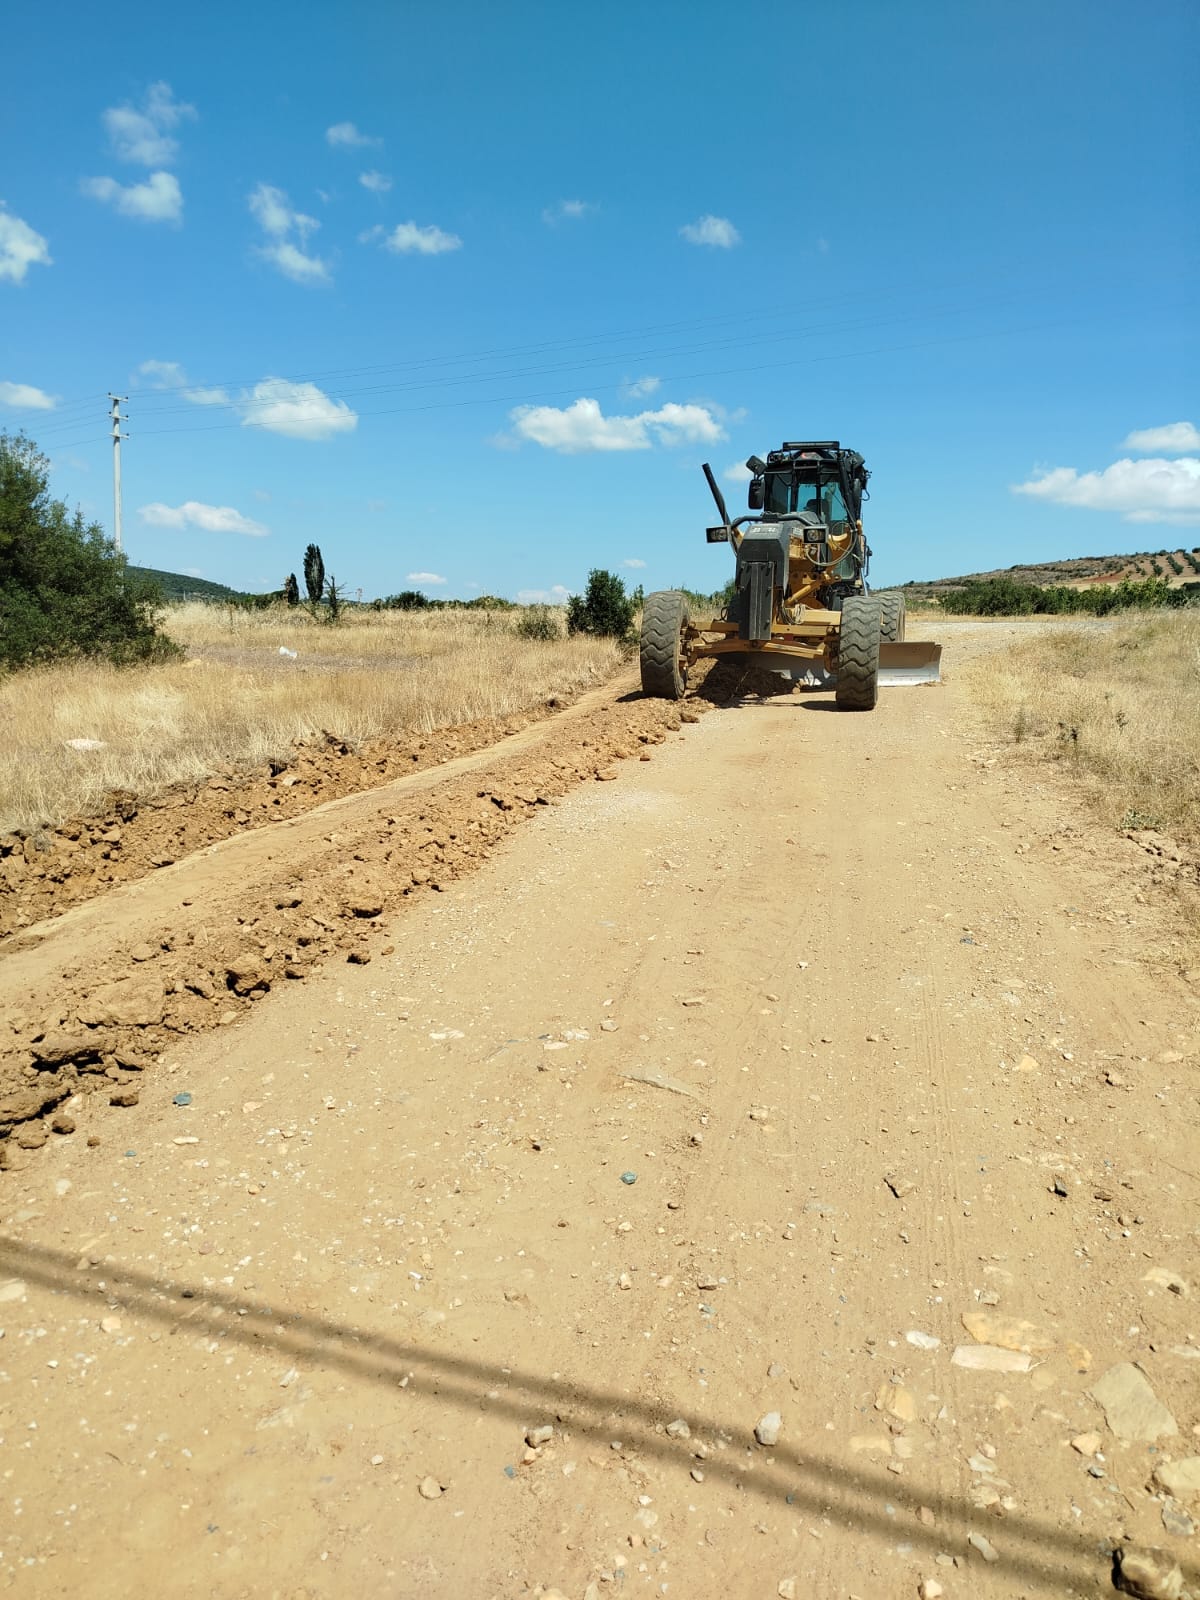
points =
(786, 492)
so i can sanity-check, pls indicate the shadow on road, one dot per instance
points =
(1057, 1561)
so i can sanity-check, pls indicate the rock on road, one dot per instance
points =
(737, 1186)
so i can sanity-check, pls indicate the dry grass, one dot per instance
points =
(235, 701)
(1119, 702)
(922, 606)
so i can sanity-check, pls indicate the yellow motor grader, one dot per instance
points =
(800, 603)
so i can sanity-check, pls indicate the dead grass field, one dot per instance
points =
(1118, 702)
(235, 701)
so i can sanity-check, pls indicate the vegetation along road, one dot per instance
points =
(770, 1171)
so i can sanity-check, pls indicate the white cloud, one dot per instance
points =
(408, 239)
(583, 426)
(345, 136)
(297, 410)
(207, 397)
(295, 263)
(568, 211)
(1173, 439)
(639, 388)
(289, 230)
(158, 199)
(24, 397)
(716, 231)
(376, 182)
(273, 212)
(1155, 490)
(739, 472)
(20, 247)
(555, 596)
(143, 136)
(170, 375)
(634, 562)
(425, 577)
(162, 374)
(207, 519)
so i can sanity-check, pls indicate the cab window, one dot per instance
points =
(826, 500)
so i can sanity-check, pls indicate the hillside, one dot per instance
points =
(179, 586)
(1174, 567)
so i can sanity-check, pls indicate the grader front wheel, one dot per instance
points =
(664, 617)
(891, 610)
(858, 654)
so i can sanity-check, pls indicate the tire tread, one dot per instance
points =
(857, 686)
(665, 614)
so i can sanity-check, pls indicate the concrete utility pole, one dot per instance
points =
(117, 436)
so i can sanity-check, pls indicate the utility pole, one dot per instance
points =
(117, 436)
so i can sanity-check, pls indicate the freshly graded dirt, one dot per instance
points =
(813, 1068)
(44, 872)
(95, 994)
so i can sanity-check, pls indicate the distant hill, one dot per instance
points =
(1174, 567)
(178, 586)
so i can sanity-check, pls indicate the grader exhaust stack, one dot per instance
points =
(800, 605)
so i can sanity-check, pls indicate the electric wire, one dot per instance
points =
(775, 337)
(527, 399)
(161, 401)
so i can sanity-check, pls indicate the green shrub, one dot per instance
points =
(605, 610)
(65, 590)
(1001, 597)
(538, 622)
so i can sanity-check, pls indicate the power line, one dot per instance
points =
(775, 337)
(162, 402)
(246, 409)
(527, 399)
(487, 355)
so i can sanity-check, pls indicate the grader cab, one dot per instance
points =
(800, 603)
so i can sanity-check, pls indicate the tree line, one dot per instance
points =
(66, 591)
(1001, 597)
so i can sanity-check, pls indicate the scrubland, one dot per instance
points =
(1118, 702)
(234, 700)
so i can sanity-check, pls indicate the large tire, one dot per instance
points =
(664, 617)
(892, 614)
(858, 654)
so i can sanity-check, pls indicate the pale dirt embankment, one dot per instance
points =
(917, 1098)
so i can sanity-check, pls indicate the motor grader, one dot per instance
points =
(800, 604)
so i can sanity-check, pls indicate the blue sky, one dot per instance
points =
(471, 291)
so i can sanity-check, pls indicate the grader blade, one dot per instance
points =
(905, 665)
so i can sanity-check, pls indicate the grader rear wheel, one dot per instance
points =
(892, 614)
(664, 617)
(857, 686)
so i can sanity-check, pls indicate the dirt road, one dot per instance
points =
(783, 1074)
